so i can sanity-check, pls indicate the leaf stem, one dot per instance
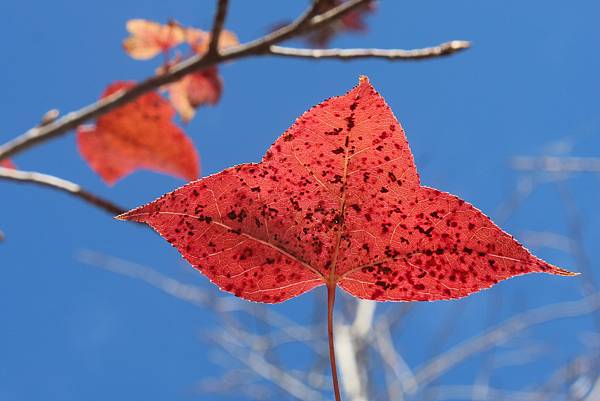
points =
(334, 375)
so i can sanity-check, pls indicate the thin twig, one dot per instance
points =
(69, 187)
(554, 164)
(445, 49)
(257, 47)
(399, 377)
(350, 343)
(217, 28)
(458, 392)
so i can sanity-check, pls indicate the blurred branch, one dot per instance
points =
(267, 370)
(555, 164)
(197, 296)
(577, 367)
(235, 381)
(483, 377)
(439, 340)
(402, 380)
(539, 239)
(524, 188)
(575, 222)
(31, 177)
(502, 333)
(350, 343)
(519, 356)
(445, 49)
(594, 394)
(483, 393)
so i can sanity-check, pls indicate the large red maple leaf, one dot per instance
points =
(337, 201)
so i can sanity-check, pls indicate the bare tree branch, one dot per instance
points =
(217, 28)
(445, 49)
(59, 184)
(256, 47)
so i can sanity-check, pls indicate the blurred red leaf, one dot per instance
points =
(140, 134)
(7, 163)
(350, 22)
(202, 87)
(337, 200)
(194, 90)
(149, 38)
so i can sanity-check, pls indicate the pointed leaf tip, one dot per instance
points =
(136, 214)
(121, 217)
(564, 272)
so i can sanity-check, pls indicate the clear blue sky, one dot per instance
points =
(71, 332)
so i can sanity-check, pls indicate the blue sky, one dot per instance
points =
(71, 332)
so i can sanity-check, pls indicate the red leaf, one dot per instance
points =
(140, 134)
(149, 38)
(194, 90)
(7, 163)
(337, 199)
(201, 87)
